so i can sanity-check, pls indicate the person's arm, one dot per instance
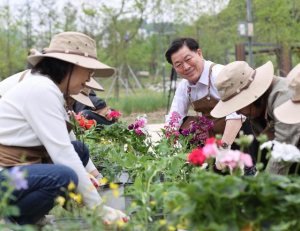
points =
(232, 128)
(180, 103)
(49, 125)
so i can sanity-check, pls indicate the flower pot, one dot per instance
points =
(72, 224)
(124, 178)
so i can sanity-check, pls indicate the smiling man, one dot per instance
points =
(197, 89)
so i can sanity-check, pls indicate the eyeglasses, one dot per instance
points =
(91, 72)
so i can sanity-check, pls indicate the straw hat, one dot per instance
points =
(239, 85)
(84, 99)
(76, 48)
(289, 112)
(94, 85)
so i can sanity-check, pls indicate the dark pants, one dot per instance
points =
(44, 186)
(99, 119)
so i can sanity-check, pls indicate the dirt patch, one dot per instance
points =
(156, 117)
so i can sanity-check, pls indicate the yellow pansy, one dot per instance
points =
(60, 200)
(71, 186)
(153, 202)
(171, 228)
(133, 204)
(162, 222)
(116, 193)
(113, 185)
(180, 226)
(120, 223)
(103, 181)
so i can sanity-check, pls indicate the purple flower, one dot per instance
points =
(185, 132)
(16, 178)
(131, 126)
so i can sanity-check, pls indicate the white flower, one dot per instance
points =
(285, 152)
(266, 145)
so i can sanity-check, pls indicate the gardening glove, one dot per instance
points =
(219, 156)
(94, 181)
(111, 216)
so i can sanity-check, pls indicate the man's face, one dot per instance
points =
(188, 64)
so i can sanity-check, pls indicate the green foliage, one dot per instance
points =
(149, 101)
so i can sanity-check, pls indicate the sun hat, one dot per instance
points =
(94, 85)
(289, 112)
(83, 98)
(239, 85)
(76, 48)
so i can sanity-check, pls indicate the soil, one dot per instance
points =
(156, 117)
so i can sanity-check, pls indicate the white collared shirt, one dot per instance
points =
(181, 102)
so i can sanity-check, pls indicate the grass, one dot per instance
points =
(143, 101)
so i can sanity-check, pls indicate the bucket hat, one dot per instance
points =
(94, 85)
(83, 97)
(239, 85)
(289, 112)
(76, 48)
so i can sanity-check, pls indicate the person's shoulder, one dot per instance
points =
(217, 69)
(280, 92)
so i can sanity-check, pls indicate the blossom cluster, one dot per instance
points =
(82, 121)
(172, 129)
(199, 129)
(230, 158)
(282, 151)
(140, 126)
(114, 114)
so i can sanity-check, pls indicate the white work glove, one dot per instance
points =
(111, 216)
(219, 156)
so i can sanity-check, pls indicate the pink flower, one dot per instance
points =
(234, 158)
(210, 150)
(114, 114)
(77, 116)
(246, 159)
(231, 159)
(140, 123)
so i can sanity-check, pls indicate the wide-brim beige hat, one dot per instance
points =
(76, 48)
(289, 112)
(81, 98)
(94, 85)
(239, 85)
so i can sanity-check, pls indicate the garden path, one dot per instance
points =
(154, 130)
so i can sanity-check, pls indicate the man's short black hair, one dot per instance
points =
(56, 69)
(178, 43)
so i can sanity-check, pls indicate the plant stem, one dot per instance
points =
(296, 170)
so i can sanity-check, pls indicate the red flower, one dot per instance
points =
(81, 122)
(114, 114)
(89, 124)
(196, 157)
(213, 140)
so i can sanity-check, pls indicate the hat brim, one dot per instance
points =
(81, 98)
(288, 112)
(260, 84)
(101, 69)
(94, 85)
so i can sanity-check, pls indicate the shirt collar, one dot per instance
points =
(204, 76)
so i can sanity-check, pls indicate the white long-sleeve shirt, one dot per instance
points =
(181, 102)
(10, 82)
(33, 114)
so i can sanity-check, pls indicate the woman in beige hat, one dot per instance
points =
(255, 94)
(33, 121)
